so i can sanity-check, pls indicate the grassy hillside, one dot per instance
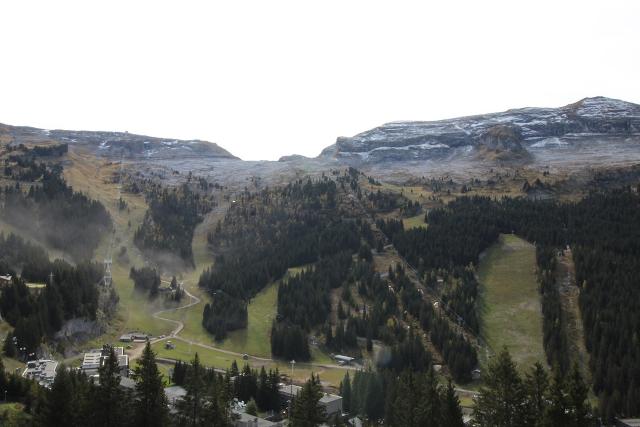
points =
(510, 303)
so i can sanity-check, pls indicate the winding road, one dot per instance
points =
(179, 326)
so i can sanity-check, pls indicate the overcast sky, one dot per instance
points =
(269, 78)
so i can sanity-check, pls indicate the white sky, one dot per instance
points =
(269, 78)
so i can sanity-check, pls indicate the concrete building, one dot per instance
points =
(174, 393)
(134, 337)
(332, 403)
(247, 420)
(43, 371)
(96, 358)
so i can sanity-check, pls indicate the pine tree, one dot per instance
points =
(9, 346)
(109, 405)
(307, 411)
(451, 411)
(252, 408)
(577, 393)
(58, 408)
(262, 397)
(536, 384)
(150, 403)
(556, 410)
(429, 410)
(191, 406)
(345, 392)
(501, 400)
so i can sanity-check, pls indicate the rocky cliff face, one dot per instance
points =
(508, 135)
(116, 144)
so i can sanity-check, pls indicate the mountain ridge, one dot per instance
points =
(415, 140)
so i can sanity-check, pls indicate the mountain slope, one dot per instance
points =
(115, 143)
(504, 134)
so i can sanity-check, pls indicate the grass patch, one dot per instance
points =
(255, 339)
(414, 221)
(220, 360)
(13, 414)
(511, 315)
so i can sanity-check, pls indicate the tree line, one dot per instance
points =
(67, 220)
(603, 230)
(265, 233)
(171, 219)
(70, 292)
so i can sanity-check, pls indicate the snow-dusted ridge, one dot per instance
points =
(538, 128)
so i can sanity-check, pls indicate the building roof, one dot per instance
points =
(43, 371)
(345, 358)
(246, 419)
(289, 390)
(94, 358)
(174, 392)
(328, 398)
(127, 383)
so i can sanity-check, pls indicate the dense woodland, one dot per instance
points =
(171, 219)
(145, 279)
(603, 231)
(49, 208)
(71, 292)
(267, 232)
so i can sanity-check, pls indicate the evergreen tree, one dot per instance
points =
(150, 403)
(252, 408)
(191, 406)
(109, 404)
(556, 411)
(345, 392)
(577, 393)
(429, 410)
(450, 408)
(58, 409)
(306, 410)
(9, 346)
(501, 400)
(536, 384)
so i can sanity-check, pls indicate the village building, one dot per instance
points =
(343, 360)
(246, 420)
(95, 358)
(332, 403)
(134, 337)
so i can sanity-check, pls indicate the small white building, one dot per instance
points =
(344, 359)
